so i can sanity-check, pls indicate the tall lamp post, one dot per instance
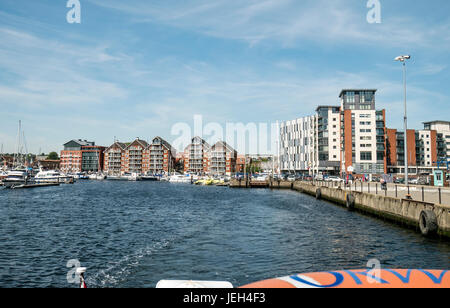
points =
(403, 59)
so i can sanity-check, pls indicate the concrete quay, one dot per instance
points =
(430, 218)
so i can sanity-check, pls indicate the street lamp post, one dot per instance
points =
(403, 59)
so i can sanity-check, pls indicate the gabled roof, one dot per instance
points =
(163, 142)
(200, 140)
(117, 144)
(223, 144)
(140, 142)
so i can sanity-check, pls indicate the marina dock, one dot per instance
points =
(29, 186)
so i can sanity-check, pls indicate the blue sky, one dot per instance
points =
(134, 68)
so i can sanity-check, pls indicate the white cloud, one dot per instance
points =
(288, 22)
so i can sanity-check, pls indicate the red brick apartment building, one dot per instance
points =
(81, 156)
(196, 156)
(240, 163)
(222, 159)
(140, 157)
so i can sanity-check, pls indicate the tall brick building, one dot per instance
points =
(222, 159)
(140, 157)
(81, 156)
(196, 156)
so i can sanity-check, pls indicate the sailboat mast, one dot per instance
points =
(17, 154)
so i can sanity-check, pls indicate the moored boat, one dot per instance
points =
(97, 176)
(52, 176)
(16, 177)
(179, 178)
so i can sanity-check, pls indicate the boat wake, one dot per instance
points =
(119, 271)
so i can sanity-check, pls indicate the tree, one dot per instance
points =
(53, 156)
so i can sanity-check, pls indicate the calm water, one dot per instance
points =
(134, 234)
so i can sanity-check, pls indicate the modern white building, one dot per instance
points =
(298, 145)
(363, 133)
(443, 130)
(329, 139)
(337, 139)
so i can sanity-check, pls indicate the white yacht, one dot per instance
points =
(114, 177)
(16, 177)
(79, 176)
(180, 178)
(131, 177)
(51, 176)
(97, 176)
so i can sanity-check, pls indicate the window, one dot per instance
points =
(350, 97)
(366, 96)
(365, 130)
(366, 156)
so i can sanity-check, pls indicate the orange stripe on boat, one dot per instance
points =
(384, 278)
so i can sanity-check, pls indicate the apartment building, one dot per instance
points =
(425, 148)
(240, 163)
(337, 139)
(114, 156)
(328, 142)
(298, 140)
(81, 156)
(442, 129)
(222, 159)
(92, 158)
(161, 157)
(140, 157)
(137, 156)
(196, 156)
(363, 133)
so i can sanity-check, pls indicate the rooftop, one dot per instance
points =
(438, 122)
(356, 90)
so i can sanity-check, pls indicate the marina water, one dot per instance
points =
(133, 234)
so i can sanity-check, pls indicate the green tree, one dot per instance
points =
(53, 156)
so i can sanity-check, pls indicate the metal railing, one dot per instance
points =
(429, 194)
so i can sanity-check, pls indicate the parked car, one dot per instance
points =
(399, 181)
(335, 179)
(319, 177)
(291, 178)
(413, 181)
(261, 177)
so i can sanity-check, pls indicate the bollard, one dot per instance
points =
(440, 196)
(423, 194)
